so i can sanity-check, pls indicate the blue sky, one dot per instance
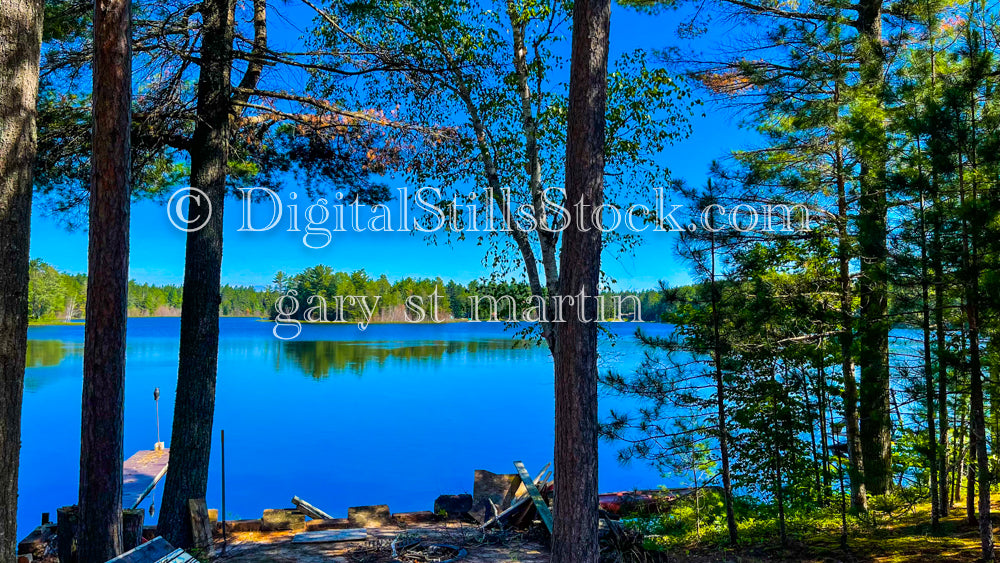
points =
(157, 248)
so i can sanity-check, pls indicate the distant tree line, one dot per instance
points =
(55, 295)
(455, 300)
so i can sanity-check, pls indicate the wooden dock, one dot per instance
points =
(140, 475)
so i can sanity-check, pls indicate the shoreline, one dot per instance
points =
(82, 321)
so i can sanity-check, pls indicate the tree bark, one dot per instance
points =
(103, 419)
(970, 476)
(944, 503)
(977, 414)
(958, 466)
(720, 400)
(194, 409)
(929, 392)
(824, 432)
(942, 374)
(875, 426)
(859, 497)
(574, 538)
(20, 48)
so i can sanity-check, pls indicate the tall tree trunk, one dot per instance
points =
(941, 349)
(194, 409)
(720, 398)
(779, 434)
(873, 329)
(977, 414)
(958, 466)
(20, 47)
(944, 503)
(942, 373)
(103, 420)
(859, 497)
(824, 429)
(779, 496)
(843, 489)
(970, 476)
(574, 538)
(929, 392)
(814, 450)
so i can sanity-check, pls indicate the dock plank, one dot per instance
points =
(329, 536)
(156, 551)
(141, 473)
(310, 510)
(536, 497)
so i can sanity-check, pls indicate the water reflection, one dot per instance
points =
(320, 359)
(45, 353)
(48, 354)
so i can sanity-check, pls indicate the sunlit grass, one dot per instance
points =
(815, 535)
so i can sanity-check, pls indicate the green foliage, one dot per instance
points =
(53, 295)
(884, 510)
(757, 523)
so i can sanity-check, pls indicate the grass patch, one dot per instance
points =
(897, 530)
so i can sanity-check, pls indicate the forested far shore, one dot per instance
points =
(56, 296)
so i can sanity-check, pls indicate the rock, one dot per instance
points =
(498, 487)
(374, 516)
(453, 505)
(282, 519)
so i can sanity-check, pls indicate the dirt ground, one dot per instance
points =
(277, 547)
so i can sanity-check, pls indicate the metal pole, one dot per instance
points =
(223, 515)
(156, 399)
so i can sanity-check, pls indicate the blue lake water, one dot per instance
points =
(395, 414)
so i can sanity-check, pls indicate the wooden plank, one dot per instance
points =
(201, 529)
(540, 473)
(514, 509)
(543, 509)
(522, 492)
(132, 524)
(310, 510)
(158, 550)
(67, 526)
(178, 556)
(140, 475)
(329, 536)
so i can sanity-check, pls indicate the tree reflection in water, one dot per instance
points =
(321, 359)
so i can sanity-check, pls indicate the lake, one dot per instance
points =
(395, 414)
